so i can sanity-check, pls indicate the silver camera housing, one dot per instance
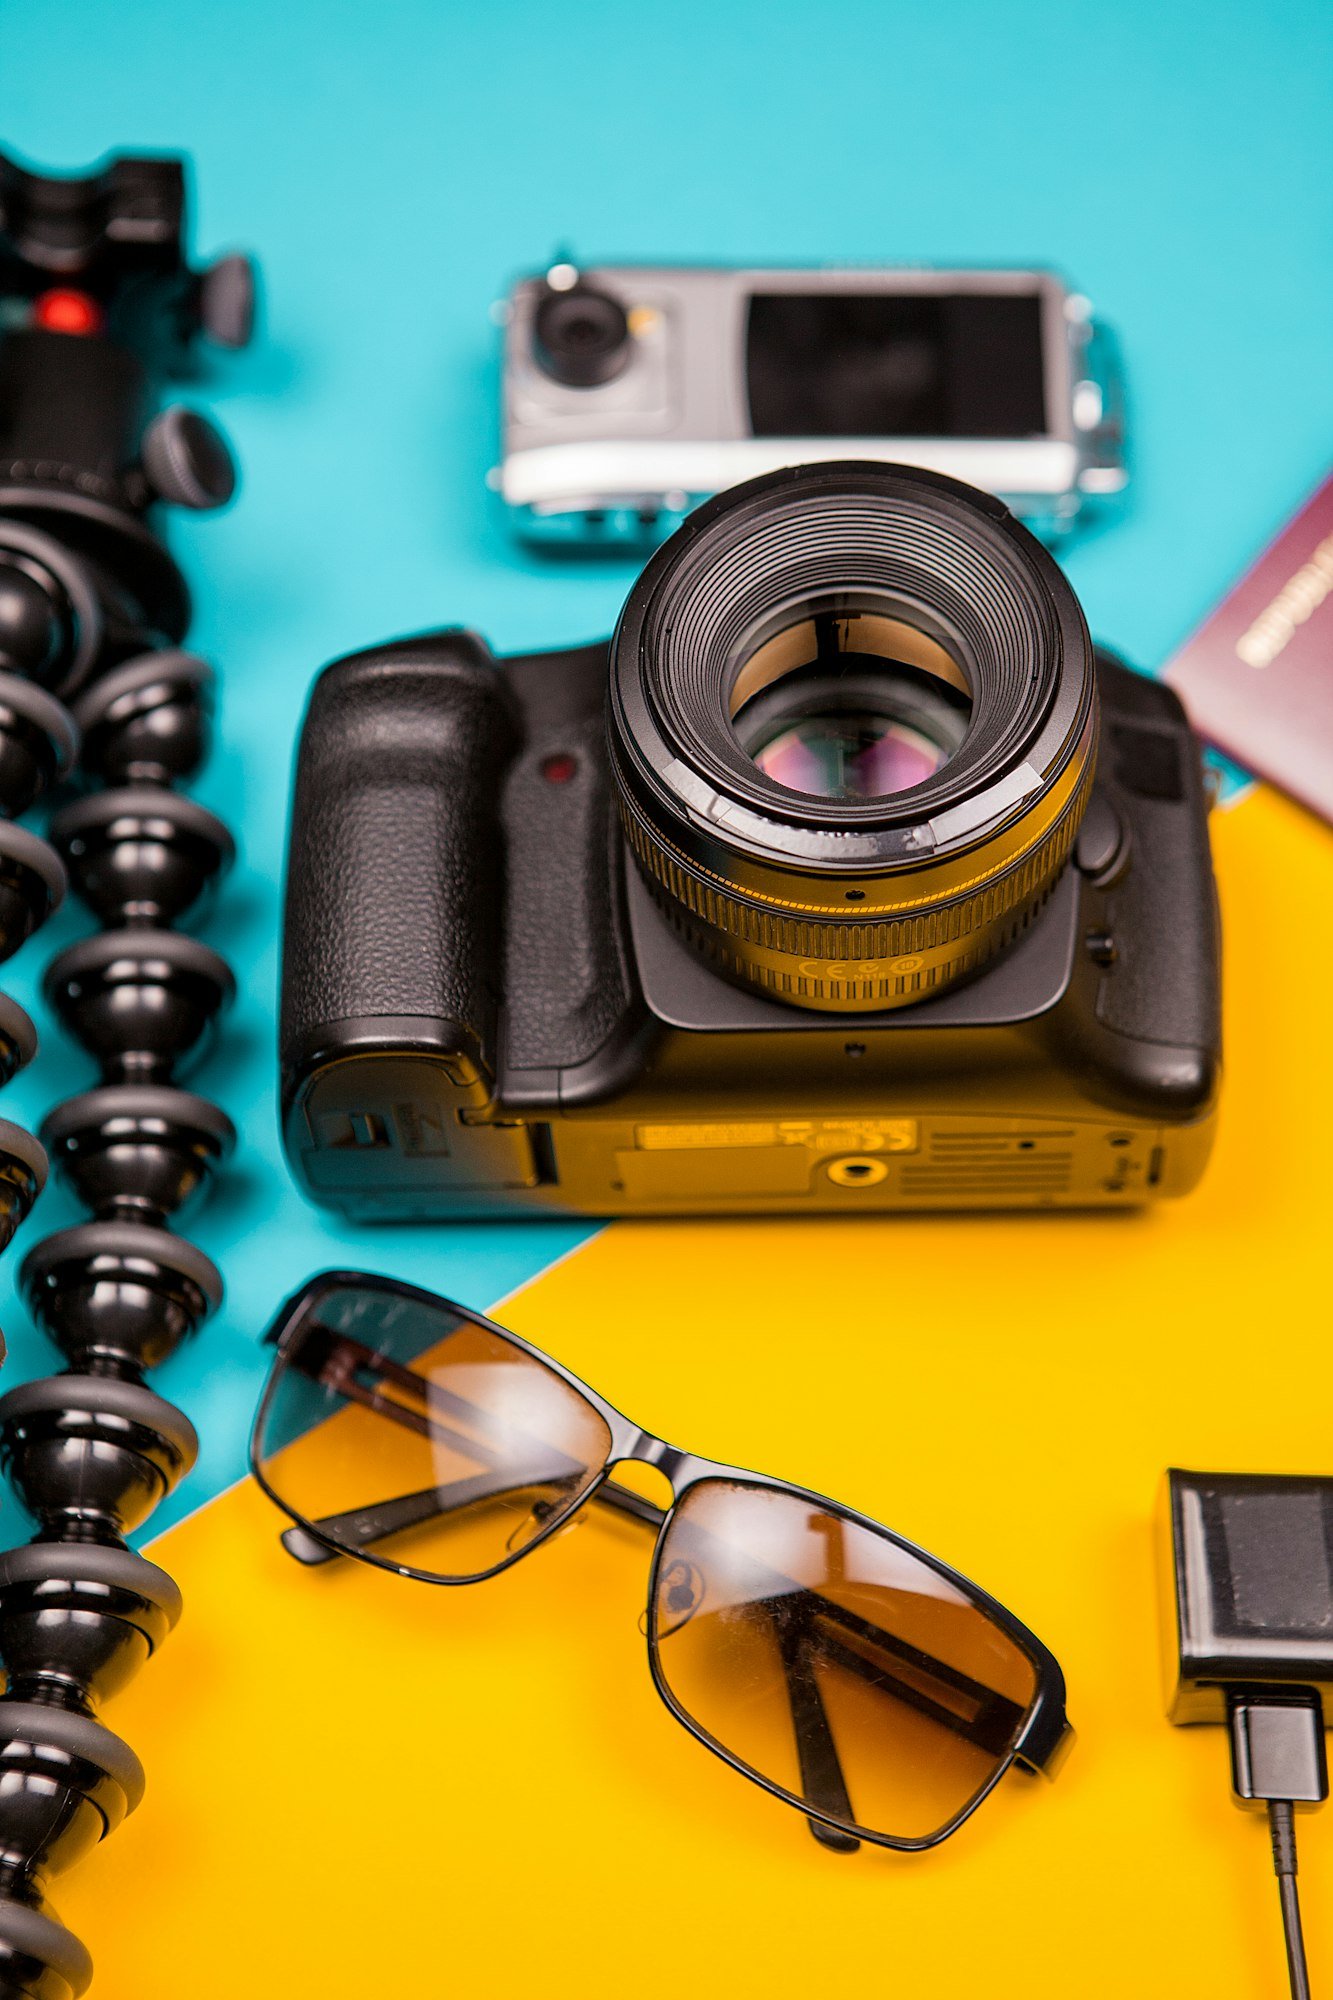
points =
(627, 458)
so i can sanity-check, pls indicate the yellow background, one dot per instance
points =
(360, 1786)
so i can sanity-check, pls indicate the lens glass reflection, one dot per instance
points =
(854, 756)
(849, 705)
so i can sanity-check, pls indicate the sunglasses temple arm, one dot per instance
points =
(367, 1525)
(822, 1780)
(991, 1729)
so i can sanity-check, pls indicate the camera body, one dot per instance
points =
(487, 1013)
(630, 393)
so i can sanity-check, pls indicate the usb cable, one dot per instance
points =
(1278, 1759)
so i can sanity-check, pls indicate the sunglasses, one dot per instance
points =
(819, 1654)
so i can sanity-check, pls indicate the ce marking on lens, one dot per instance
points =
(854, 971)
(833, 1663)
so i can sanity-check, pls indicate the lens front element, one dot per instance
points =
(421, 1439)
(847, 704)
(832, 1663)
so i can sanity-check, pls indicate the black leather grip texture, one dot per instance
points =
(395, 868)
(568, 987)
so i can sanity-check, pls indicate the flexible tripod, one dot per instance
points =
(98, 307)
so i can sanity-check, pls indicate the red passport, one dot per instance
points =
(1257, 676)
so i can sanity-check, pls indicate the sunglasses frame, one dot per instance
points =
(1046, 1734)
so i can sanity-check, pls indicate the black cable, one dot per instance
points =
(1278, 1760)
(1282, 1825)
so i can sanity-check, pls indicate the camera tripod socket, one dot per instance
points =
(853, 722)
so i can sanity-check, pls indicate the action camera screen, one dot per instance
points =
(870, 365)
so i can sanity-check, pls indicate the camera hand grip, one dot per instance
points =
(394, 873)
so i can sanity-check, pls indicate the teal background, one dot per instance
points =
(393, 167)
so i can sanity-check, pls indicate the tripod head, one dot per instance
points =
(100, 312)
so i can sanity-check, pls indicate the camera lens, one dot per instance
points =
(853, 722)
(581, 337)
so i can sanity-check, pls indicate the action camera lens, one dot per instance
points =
(853, 722)
(581, 337)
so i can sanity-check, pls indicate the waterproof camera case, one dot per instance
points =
(633, 392)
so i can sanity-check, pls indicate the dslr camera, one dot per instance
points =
(848, 875)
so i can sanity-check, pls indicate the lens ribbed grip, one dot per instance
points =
(877, 961)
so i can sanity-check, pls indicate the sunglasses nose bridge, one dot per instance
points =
(642, 1448)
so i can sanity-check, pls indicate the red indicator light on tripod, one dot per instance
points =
(67, 311)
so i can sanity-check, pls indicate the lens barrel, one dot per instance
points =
(832, 576)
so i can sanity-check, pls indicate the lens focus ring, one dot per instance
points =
(875, 962)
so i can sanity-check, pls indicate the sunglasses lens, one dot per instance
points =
(398, 1429)
(832, 1663)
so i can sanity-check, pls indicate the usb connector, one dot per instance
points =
(1277, 1745)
